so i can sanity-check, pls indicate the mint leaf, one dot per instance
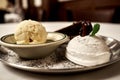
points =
(95, 29)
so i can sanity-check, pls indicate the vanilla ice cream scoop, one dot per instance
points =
(30, 32)
(88, 50)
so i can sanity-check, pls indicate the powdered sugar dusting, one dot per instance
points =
(56, 60)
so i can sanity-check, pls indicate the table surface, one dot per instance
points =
(111, 72)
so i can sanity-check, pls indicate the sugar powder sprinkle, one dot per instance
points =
(56, 60)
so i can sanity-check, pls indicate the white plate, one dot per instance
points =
(56, 63)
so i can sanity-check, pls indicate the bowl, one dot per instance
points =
(34, 51)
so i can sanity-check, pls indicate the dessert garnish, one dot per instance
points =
(95, 29)
(86, 28)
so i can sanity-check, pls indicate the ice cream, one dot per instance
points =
(88, 50)
(30, 32)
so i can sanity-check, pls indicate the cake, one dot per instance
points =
(82, 28)
(88, 50)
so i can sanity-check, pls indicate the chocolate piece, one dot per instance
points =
(82, 28)
(86, 28)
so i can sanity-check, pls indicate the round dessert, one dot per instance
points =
(30, 32)
(88, 50)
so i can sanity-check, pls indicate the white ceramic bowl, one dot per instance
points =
(34, 51)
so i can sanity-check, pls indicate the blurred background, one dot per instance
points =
(60, 10)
